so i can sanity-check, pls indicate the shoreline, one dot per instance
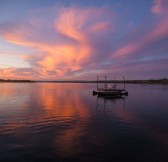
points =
(145, 82)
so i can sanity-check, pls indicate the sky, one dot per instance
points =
(82, 39)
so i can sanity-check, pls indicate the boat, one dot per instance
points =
(109, 90)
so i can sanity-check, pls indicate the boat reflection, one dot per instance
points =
(103, 101)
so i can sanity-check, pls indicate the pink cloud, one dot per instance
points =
(17, 73)
(126, 50)
(82, 42)
(66, 47)
(134, 47)
(147, 41)
(160, 7)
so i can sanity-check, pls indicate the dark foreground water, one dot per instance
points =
(64, 122)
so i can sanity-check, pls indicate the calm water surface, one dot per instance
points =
(64, 122)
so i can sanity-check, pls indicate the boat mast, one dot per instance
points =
(105, 82)
(97, 82)
(124, 82)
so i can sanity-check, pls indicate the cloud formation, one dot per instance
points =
(82, 42)
(70, 50)
(160, 7)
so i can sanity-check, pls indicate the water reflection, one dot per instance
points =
(48, 110)
(65, 122)
(110, 100)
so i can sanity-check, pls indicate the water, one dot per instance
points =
(65, 122)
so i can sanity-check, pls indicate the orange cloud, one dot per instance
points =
(18, 73)
(70, 22)
(80, 42)
(103, 26)
(70, 49)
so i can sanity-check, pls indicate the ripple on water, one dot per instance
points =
(69, 124)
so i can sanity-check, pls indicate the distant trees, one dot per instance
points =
(10, 80)
(150, 81)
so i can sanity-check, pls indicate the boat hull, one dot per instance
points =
(110, 93)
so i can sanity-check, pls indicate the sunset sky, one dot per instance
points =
(82, 39)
